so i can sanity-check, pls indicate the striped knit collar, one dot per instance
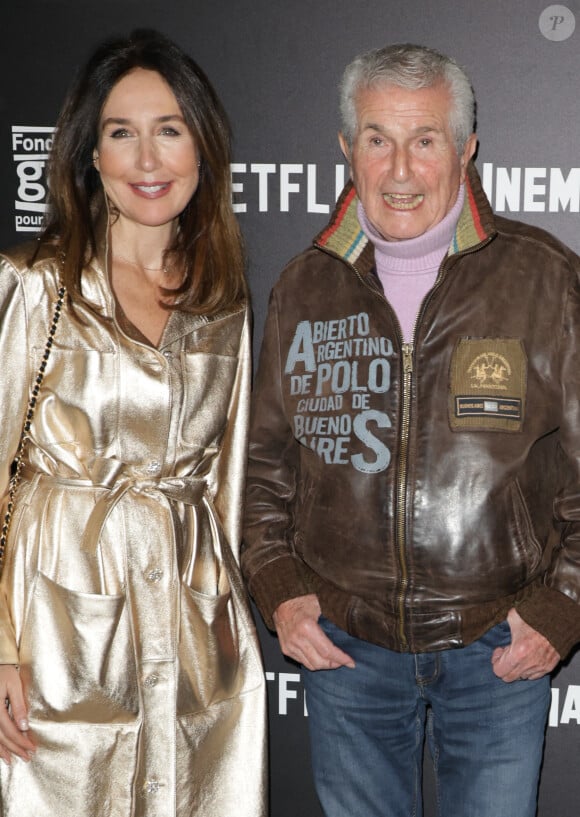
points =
(344, 236)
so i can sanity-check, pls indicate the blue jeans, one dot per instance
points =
(367, 729)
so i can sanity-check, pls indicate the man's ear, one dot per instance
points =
(346, 152)
(468, 152)
(344, 146)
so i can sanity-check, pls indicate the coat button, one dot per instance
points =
(151, 680)
(151, 786)
(153, 467)
(155, 575)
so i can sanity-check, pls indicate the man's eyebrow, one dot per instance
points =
(373, 126)
(421, 129)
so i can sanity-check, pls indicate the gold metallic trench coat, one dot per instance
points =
(121, 597)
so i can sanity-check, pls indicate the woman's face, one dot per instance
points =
(145, 154)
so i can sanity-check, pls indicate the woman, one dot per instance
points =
(130, 667)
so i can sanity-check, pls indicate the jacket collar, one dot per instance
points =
(343, 236)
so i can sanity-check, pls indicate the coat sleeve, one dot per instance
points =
(553, 609)
(14, 386)
(274, 571)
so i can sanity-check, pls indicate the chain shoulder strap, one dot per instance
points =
(18, 459)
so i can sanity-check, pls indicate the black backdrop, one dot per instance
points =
(276, 66)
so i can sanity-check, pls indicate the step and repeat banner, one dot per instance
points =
(276, 66)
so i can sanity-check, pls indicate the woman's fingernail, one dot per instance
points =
(23, 725)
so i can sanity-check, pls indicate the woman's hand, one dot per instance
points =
(14, 737)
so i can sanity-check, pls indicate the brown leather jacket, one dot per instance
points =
(421, 490)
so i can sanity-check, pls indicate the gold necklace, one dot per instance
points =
(140, 266)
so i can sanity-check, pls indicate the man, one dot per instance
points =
(413, 505)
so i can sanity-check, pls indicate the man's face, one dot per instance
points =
(404, 162)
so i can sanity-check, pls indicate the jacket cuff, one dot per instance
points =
(284, 578)
(554, 615)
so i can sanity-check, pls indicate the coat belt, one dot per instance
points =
(117, 478)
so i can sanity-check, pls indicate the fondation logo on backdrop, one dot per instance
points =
(30, 148)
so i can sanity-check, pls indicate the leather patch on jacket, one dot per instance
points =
(488, 384)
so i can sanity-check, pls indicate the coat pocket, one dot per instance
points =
(77, 658)
(218, 651)
(208, 381)
(208, 650)
(79, 400)
(529, 548)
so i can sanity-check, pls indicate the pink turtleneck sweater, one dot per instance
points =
(407, 269)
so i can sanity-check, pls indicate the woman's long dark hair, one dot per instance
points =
(208, 244)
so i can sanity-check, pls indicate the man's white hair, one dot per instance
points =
(412, 67)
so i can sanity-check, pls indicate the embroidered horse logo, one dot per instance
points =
(489, 370)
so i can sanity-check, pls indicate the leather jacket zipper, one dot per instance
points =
(407, 350)
(402, 474)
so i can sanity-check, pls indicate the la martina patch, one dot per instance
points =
(488, 384)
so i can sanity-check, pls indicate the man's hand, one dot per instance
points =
(302, 638)
(530, 656)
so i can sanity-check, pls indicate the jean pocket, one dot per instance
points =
(498, 636)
